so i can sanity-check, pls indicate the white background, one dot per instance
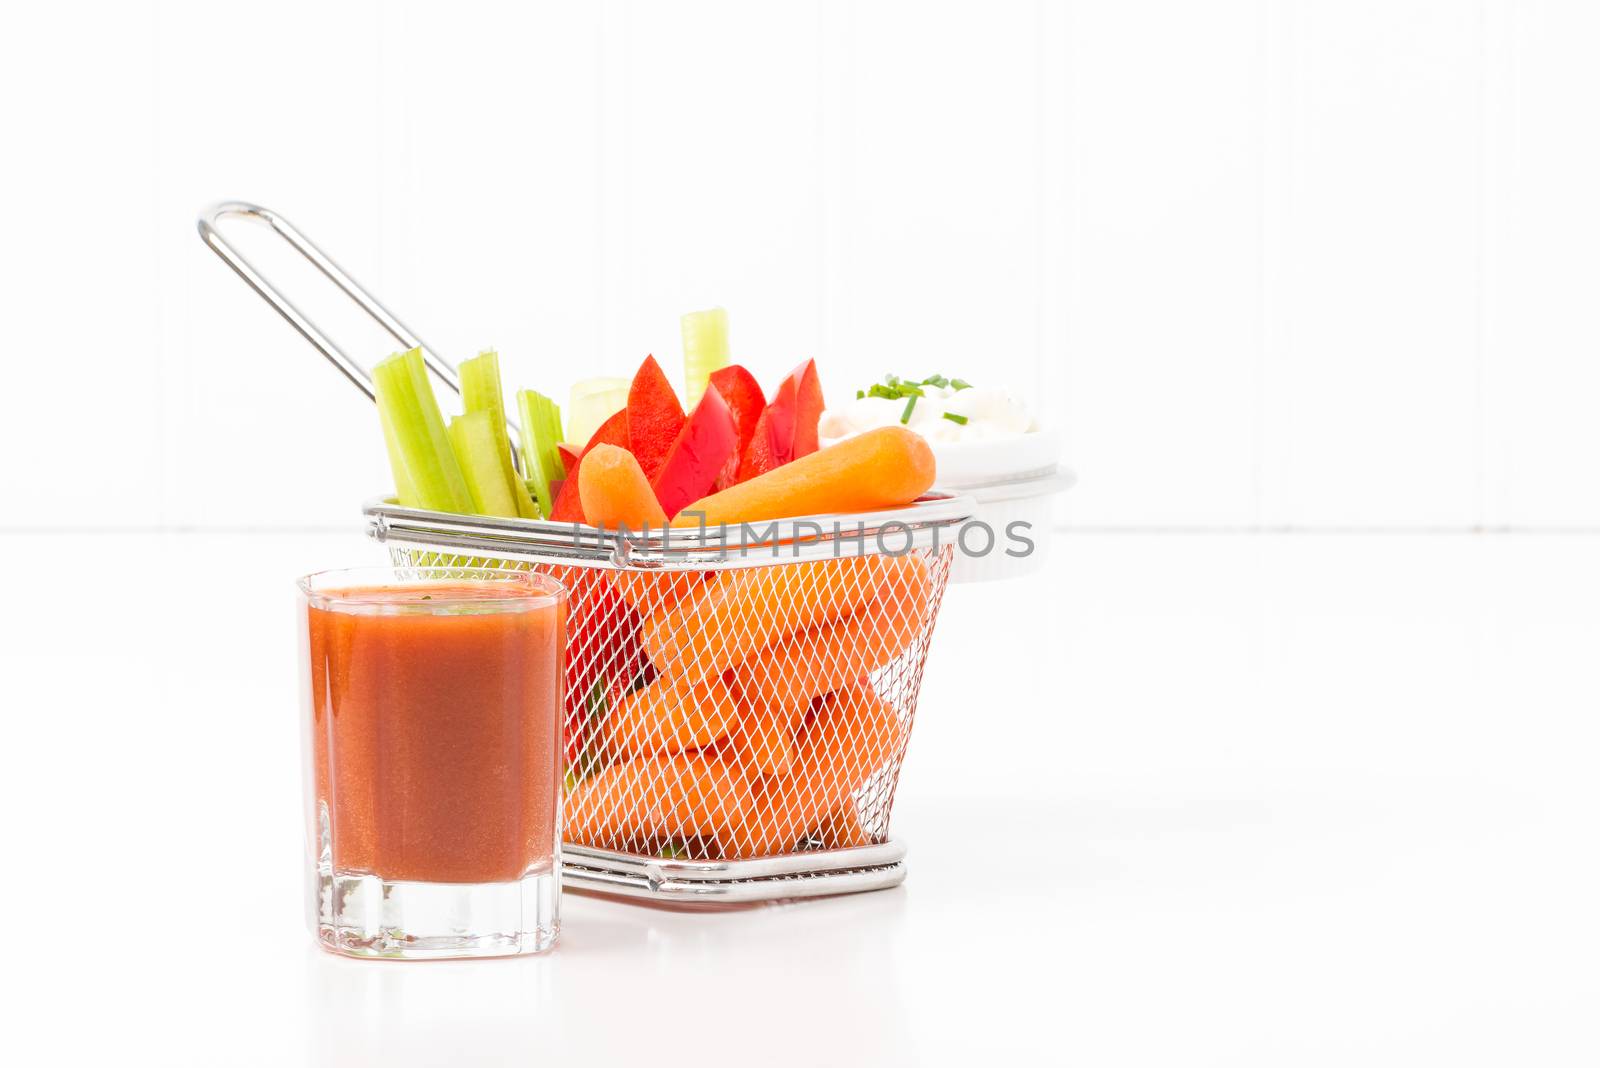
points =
(1265, 264)
(1199, 794)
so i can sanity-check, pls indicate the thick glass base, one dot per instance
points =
(365, 916)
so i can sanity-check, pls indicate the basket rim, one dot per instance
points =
(812, 873)
(920, 525)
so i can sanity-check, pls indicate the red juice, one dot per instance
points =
(435, 728)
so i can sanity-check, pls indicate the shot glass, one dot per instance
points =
(433, 759)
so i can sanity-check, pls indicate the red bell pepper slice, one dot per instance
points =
(655, 418)
(745, 399)
(707, 440)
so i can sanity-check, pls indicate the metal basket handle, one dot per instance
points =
(355, 372)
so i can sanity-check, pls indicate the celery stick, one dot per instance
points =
(554, 466)
(592, 402)
(431, 475)
(705, 349)
(480, 392)
(404, 492)
(541, 431)
(477, 450)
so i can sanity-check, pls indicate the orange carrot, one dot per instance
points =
(763, 738)
(653, 592)
(783, 678)
(842, 828)
(854, 734)
(652, 798)
(614, 491)
(743, 610)
(669, 716)
(884, 468)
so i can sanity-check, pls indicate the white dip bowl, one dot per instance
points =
(1013, 481)
(986, 448)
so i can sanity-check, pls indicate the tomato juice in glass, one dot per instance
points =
(433, 742)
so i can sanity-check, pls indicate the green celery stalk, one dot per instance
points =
(480, 392)
(477, 451)
(553, 465)
(705, 349)
(591, 402)
(426, 470)
(404, 491)
(541, 431)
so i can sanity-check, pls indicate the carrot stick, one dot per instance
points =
(854, 734)
(743, 610)
(842, 828)
(614, 491)
(662, 797)
(884, 468)
(784, 678)
(669, 716)
(763, 738)
(776, 685)
(653, 592)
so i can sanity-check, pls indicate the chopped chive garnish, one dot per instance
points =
(905, 416)
(893, 387)
(960, 420)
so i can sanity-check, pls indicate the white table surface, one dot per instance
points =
(1183, 800)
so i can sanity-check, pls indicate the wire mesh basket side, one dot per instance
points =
(739, 713)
